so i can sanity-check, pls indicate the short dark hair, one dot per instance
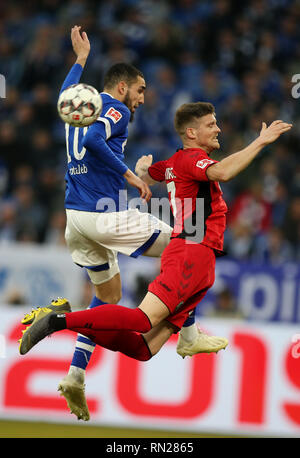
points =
(121, 72)
(188, 112)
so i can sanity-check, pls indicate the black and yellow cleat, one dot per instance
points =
(60, 305)
(40, 324)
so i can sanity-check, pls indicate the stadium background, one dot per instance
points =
(241, 56)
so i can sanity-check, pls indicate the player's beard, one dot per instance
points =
(127, 102)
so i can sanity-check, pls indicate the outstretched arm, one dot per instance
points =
(81, 47)
(232, 165)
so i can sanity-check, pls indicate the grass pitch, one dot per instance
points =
(23, 429)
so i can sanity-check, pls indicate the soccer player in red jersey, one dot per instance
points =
(188, 262)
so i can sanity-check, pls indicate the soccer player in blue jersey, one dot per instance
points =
(99, 225)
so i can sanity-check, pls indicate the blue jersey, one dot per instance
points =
(95, 156)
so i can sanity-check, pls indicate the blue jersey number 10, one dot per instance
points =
(73, 146)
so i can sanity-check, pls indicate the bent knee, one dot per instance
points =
(109, 297)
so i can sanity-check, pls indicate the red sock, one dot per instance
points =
(130, 343)
(109, 317)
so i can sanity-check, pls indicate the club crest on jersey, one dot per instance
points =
(113, 114)
(203, 163)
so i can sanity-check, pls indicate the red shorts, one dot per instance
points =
(187, 272)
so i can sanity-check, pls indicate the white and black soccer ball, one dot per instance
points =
(79, 105)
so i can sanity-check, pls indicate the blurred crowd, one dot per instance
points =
(241, 56)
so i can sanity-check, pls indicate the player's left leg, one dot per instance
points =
(72, 386)
(133, 344)
(101, 265)
(108, 317)
(130, 343)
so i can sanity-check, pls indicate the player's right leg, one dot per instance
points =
(103, 270)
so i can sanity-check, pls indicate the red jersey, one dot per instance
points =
(197, 204)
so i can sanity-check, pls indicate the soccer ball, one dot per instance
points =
(79, 105)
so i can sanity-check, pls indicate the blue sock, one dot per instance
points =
(84, 346)
(95, 302)
(190, 320)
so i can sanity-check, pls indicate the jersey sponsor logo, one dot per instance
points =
(204, 163)
(113, 114)
(169, 174)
